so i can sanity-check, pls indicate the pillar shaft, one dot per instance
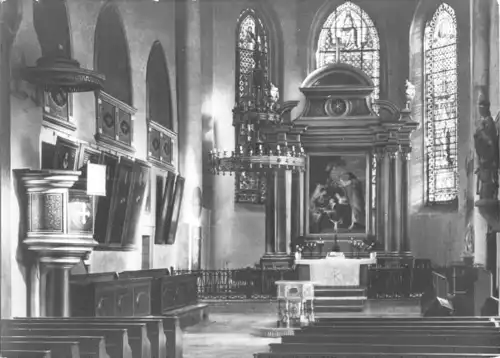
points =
(58, 303)
(6, 38)
(479, 62)
(397, 215)
(390, 233)
(188, 35)
(404, 245)
(386, 198)
(270, 201)
(379, 196)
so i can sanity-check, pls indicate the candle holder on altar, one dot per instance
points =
(59, 227)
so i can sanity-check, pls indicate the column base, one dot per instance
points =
(273, 261)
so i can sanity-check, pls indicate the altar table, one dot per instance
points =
(335, 271)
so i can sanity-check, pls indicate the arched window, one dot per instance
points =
(112, 54)
(349, 36)
(441, 106)
(158, 94)
(251, 37)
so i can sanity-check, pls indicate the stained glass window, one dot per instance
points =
(349, 33)
(441, 106)
(252, 37)
(349, 36)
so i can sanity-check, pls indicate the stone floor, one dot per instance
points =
(228, 333)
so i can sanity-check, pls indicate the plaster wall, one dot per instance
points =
(144, 23)
(438, 232)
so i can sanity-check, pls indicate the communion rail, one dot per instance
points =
(390, 282)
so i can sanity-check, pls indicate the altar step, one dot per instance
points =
(331, 299)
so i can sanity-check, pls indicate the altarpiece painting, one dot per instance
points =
(337, 193)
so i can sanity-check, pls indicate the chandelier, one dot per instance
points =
(266, 140)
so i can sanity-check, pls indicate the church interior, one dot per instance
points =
(249, 178)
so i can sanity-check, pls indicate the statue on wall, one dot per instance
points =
(487, 150)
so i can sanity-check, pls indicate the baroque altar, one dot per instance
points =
(356, 182)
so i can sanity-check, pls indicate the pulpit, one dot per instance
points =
(295, 303)
(58, 220)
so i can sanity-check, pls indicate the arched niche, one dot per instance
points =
(50, 19)
(111, 54)
(158, 92)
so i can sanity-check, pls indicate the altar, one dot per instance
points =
(335, 271)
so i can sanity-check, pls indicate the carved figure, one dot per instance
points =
(410, 93)
(487, 150)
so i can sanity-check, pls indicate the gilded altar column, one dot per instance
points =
(404, 179)
(188, 57)
(379, 194)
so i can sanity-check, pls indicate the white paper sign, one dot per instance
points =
(96, 179)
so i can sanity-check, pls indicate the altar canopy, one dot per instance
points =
(336, 271)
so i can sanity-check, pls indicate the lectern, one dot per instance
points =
(59, 224)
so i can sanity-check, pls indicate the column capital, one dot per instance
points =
(392, 152)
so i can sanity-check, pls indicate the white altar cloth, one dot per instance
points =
(336, 271)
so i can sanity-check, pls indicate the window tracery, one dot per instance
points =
(441, 106)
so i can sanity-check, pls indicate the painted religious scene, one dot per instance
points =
(337, 194)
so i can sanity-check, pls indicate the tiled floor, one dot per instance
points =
(228, 332)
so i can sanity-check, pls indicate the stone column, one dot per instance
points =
(188, 60)
(390, 233)
(479, 52)
(278, 243)
(379, 195)
(270, 238)
(58, 303)
(7, 34)
(386, 198)
(404, 244)
(397, 214)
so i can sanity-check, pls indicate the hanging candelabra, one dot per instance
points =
(266, 139)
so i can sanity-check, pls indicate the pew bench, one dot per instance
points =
(163, 333)
(406, 339)
(117, 343)
(90, 346)
(373, 355)
(391, 337)
(25, 354)
(136, 332)
(379, 348)
(68, 349)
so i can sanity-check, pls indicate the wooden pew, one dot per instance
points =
(90, 346)
(379, 348)
(25, 354)
(58, 349)
(373, 355)
(491, 339)
(117, 343)
(154, 326)
(407, 337)
(137, 332)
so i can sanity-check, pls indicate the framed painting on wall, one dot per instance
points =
(337, 193)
